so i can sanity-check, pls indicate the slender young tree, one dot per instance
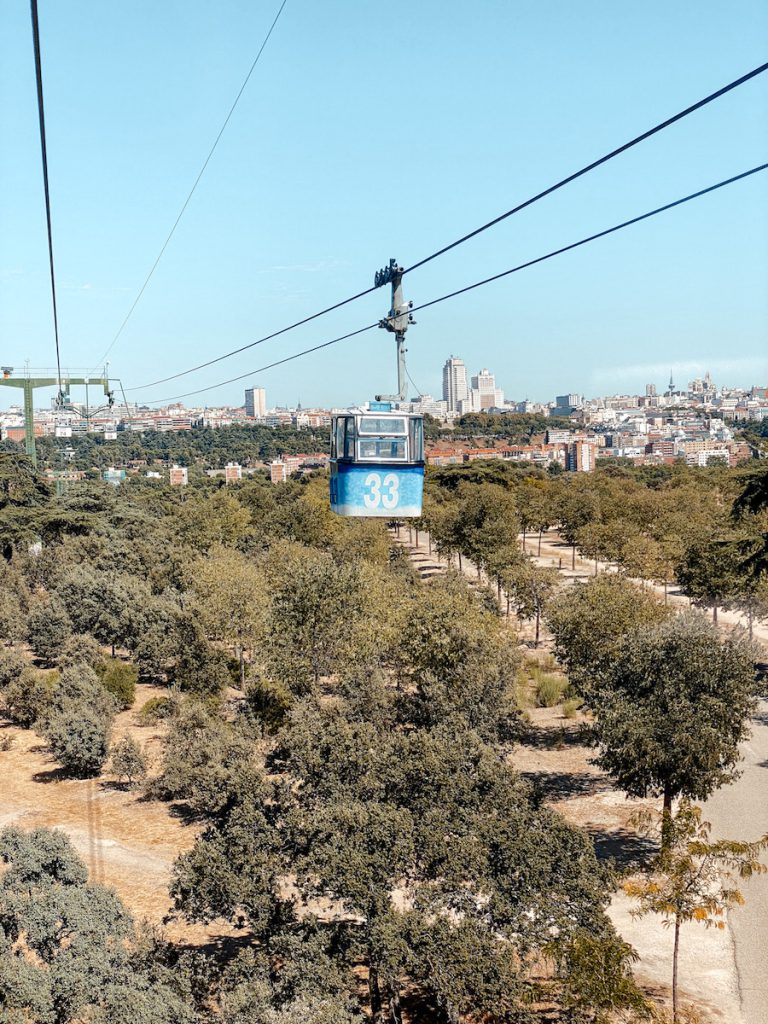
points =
(693, 879)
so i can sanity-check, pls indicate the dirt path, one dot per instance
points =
(126, 841)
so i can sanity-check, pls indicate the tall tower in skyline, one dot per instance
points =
(455, 388)
(255, 402)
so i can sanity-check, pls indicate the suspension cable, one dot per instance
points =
(521, 206)
(211, 151)
(479, 284)
(44, 153)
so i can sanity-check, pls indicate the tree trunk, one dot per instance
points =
(540, 533)
(417, 538)
(750, 619)
(666, 820)
(478, 570)
(573, 558)
(538, 623)
(666, 595)
(595, 565)
(113, 650)
(459, 561)
(674, 968)
(507, 605)
(395, 1011)
(498, 591)
(241, 652)
(374, 993)
(714, 613)
(430, 543)
(525, 530)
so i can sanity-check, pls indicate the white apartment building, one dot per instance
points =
(483, 394)
(256, 402)
(455, 388)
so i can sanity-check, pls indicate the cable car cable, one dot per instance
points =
(194, 186)
(427, 259)
(477, 284)
(595, 163)
(44, 153)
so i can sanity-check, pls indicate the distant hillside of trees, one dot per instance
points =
(205, 446)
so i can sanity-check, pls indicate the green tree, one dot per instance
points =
(596, 973)
(48, 628)
(672, 708)
(28, 697)
(693, 879)
(68, 949)
(230, 600)
(709, 573)
(532, 587)
(127, 760)
(79, 739)
(588, 622)
(119, 678)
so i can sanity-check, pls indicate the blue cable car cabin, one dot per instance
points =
(377, 463)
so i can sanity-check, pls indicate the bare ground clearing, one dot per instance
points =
(127, 842)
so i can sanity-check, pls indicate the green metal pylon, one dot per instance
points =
(30, 384)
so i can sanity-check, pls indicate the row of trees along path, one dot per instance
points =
(553, 551)
(731, 809)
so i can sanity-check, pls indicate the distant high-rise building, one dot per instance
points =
(650, 390)
(233, 472)
(179, 476)
(255, 402)
(455, 388)
(485, 394)
(565, 404)
(580, 457)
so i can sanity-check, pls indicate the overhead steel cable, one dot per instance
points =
(212, 150)
(521, 206)
(479, 284)
(595, 163)
(44, 152)
(252, 344)
(592, 238)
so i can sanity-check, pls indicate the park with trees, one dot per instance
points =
(341, 737)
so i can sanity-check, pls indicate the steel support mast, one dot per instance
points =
(29, 384)
(398, 322)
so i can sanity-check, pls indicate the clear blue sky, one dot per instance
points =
(369, 131)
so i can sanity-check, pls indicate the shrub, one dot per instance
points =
(119, 678)
(550, 690)
(11, 666)
(79, 684)
(29, 697)
(48, 627)
(157, 709)
(127, 760)
(79, 739)
(80, 649)
(571, 706)
(7, 741)
(268, 703)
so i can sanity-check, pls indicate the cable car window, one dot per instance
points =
(378, 448)
(349, 437)
(416, 432)
(381, 425)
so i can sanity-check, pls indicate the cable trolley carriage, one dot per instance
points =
(377, 463)
(377, 454)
